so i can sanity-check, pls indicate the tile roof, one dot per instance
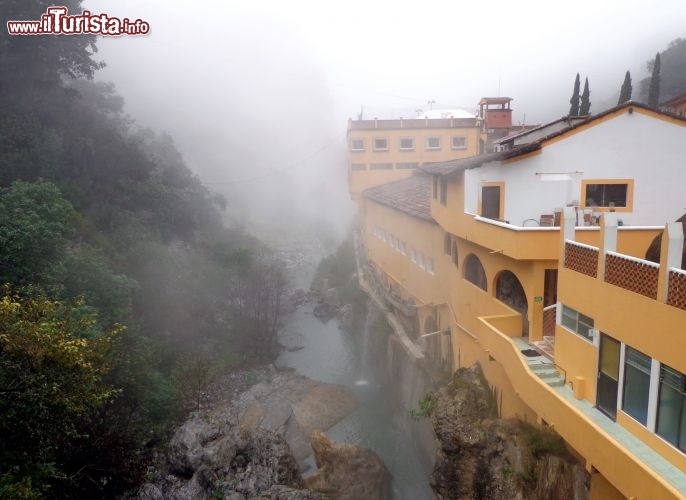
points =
(452, 166)
(411, 195)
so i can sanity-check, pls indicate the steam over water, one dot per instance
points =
(357, 361)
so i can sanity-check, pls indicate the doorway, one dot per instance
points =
(490, 202)
(608, 376)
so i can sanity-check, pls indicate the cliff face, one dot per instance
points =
(482, 457)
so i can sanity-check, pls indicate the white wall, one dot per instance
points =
(630, 146)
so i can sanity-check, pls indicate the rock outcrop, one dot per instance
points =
(347, 472)
(250, 448)
(482, 457)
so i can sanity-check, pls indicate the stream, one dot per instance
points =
(358, 361)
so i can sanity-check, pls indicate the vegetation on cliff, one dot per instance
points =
(123, 291)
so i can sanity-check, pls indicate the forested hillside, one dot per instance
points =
(672, 72)
(122, 290)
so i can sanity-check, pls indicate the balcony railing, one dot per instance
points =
(581, 258)
(630, 273)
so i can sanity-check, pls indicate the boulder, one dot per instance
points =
(347, 472)
(324, 311)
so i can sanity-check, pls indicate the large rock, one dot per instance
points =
(481, 456)
(347, 472)
(243, 448)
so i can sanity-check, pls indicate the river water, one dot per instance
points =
(357, 360)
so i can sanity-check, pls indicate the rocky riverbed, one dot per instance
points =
(253, 446)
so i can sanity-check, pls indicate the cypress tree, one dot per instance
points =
(625, 92)
(654, 90)
(574, 101)
(585, 108)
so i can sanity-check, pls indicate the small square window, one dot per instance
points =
(433, 143)
(406, 144)
(459, 142)
(380, 144)
(357, 145)
(358, 166)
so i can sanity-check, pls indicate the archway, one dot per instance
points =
(474, 272)
(509, 289)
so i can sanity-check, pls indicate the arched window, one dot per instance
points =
(474, 272)
(509, 289)
(447, 243)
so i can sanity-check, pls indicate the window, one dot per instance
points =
(430, 265)
(447, 244)
(413, 257)
(420, 260)
(577, 322)
(607, 194)
(359, 166)
(380, 144)
(435, 184)
(459, 142)
(671, 414)
(474, 272)
(454, 255)
(433, 143)
(406, 165)
(444, 191)
(407, 144)
(357, 145)
(403, 248)
(380, 166)
(636, 384)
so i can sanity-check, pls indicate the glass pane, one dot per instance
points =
(568, 322)
(609, 363)
(682, 429)
(636, 388)
(586, 320)
(668, 411)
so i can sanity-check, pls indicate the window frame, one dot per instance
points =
(589, 337)
(456, 148)
(400, 144)
(631, 367)
(377, 149)
(427, 147)
(357, 150)
(597, 208)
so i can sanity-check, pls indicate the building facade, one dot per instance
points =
(530, 262)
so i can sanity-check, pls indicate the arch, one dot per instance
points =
(509, 290)
(474, 272)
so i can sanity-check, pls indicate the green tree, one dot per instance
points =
(625, 92)
(654, 90)
(585, 107)
(574, 100)
(51, 383)
(35, 224)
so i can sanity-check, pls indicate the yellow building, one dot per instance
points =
(530, 262)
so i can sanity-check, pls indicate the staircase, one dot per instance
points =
(546, 371)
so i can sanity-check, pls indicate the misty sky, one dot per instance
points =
(257, 94)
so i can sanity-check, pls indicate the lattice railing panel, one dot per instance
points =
(549, 319)
(676, 291)
(581, 259)
(632, 274)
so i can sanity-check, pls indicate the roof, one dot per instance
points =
(535, 128)
(411, 195)
(495, 100)
(452, 166)
(445, 113)
(678, 99)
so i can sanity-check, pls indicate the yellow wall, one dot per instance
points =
(361, 180)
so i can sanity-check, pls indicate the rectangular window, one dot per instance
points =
(380, 166)
(380, 144)
(430, 265)
(406, 165)
(413, 257)
(671, 411)
(607, 194)
(359, 166)
(435, 190)
(407, 144)
(577, 322)
(433, 143)
(636, 384)
(403, 248)
(420, 260)
(357, 145)
(459, 142)
(444, 191)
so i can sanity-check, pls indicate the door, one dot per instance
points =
(608, 376)
(490, 202)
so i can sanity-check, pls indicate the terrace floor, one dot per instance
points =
(544, 367)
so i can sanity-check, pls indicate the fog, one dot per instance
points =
(257, 95)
